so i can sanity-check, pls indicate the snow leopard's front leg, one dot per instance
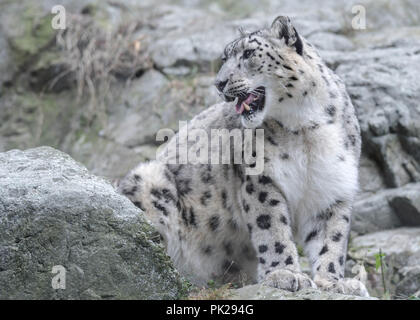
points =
(266, 213)
(325, 240)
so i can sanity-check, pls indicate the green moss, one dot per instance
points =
(34, 34)
(88, 130)
(46, 60)
(185, 289)
(100, 15)
(300, 250)
(47, 116)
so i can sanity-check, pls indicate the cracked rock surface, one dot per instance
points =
(54, 212)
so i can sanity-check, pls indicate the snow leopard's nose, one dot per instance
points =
(220, 85)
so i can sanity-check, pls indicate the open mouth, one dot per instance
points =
(249, 103)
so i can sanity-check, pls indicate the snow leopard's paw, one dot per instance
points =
(288, 280)
(345, 286)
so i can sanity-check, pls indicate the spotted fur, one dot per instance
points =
(220, 224)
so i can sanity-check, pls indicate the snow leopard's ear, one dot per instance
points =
(283, 28)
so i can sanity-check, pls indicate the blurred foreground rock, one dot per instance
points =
(54, 212)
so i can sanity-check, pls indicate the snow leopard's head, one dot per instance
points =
(260, 69)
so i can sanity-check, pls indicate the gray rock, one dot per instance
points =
(27, 120)
(399, 37)
(139, 115)
(390, 125)
(370, 177)
(181, 41)
(410, 284)
(107, 158)
(374, 213)
(260, 292)
(406, 204)
(401, 247)
(396, 242)
(388, 113)
(54, 212)
(387, 209)
(381, 14)
(330, 41)
(154, 102)
(7, 68)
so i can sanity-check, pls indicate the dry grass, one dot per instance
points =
(95, 57)
(220, 293)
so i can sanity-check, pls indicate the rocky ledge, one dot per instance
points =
(260, 292)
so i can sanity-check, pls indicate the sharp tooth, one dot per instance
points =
(247, 107)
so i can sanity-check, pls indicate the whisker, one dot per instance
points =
(258, 92)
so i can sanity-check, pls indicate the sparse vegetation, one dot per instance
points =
(380, 264)
(94, 57)
(211, 293)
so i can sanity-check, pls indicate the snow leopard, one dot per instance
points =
(220, 223)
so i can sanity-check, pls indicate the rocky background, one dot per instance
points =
(100, 89)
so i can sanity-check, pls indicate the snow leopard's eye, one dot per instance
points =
(248, 53)
(220, 62)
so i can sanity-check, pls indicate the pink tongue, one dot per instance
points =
(240, 107)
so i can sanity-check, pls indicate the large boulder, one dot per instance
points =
(387, 209)
(53, 212)
(383, 87)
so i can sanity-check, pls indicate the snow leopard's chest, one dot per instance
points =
(312, 168)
